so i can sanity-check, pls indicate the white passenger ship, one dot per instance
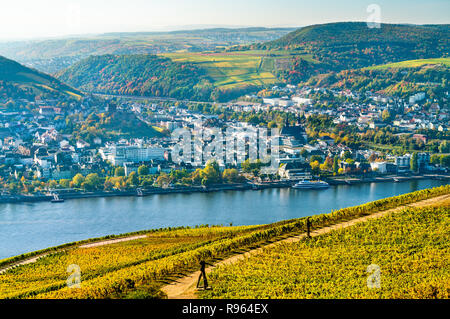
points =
(305, 184)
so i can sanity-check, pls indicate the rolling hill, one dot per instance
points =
(54, 55)
(140, 75)
(201, 79)
(237, 70)
(350, 45)
(398, 79)
(230, 69)
(18, 81)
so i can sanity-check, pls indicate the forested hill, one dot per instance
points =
(399, 79)
(18, 81)
(349, 45)
(142, 75)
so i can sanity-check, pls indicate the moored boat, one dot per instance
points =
(57, 199)
(311, 185)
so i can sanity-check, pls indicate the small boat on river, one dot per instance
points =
(304, 184)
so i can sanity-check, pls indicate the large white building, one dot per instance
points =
(278, 102)
(416, 97)
(301, 100)
(117, 155)
(403, 162)
(380, 167)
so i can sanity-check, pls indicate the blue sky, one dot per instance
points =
(48, 18)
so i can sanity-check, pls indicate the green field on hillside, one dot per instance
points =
(240, 68)
(229, 70)
(412, 64)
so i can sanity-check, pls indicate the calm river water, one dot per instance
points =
(33, 226)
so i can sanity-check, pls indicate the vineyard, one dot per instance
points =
(229, 70)
(49, 273)
(138, 268)
(410, 249)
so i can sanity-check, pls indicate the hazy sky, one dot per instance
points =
(48, 18)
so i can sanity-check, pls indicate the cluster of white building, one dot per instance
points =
(118, 154)
(416, 97)
(286, 102)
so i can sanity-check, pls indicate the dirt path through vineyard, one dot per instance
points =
(185, 288)
(90, 245)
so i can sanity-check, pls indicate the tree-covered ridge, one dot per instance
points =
(108, 126)
(348, 45)
(18, 81)
(142, 75)
(148, 75)
(310, 51)
(430, 78)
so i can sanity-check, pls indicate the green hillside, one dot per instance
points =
(233, 71)
(143, 75)
(350, 45)
(199, 77)
(230, 69)
(397, 79)
(19, 81)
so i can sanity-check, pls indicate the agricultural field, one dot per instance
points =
(409, 249)
(139, 268)
(412, 64)
(240, 68)
(229, 70)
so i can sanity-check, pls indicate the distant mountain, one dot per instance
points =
(205, 30)
(140, 75)
(53, 55)
(18, 81)
(349, 45)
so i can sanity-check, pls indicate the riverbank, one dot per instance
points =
(66, 195)
(144, 192)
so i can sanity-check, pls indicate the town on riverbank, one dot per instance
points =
(124, 146)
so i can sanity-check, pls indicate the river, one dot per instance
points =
(33, 226)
